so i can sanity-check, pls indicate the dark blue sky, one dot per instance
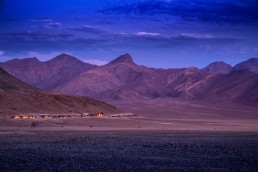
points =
(157, 33)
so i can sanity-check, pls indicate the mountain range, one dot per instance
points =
(46, 75)
(123, 79)
(18, 97)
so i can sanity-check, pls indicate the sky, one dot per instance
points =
(157, 33)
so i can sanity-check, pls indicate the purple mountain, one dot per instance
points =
(122, 78)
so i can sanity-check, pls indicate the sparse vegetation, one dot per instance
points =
(34, 124)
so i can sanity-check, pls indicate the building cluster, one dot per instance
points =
(84, 115)
(124, 115)
(29, 116)
(24, 117)
(100, 114)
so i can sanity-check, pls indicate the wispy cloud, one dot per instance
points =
(41, 20)
(87, 29)
(180, 36)
(53, 25)
(228, 12)
(47, 23)
(207, 36)
(147, 34)
(2, 53)
(37, 35)
(136, 34)
(197, 36)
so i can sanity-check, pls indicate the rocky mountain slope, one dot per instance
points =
(251, 65)
(123, 79)
(46, 75)
(218, 67)
(18, 97)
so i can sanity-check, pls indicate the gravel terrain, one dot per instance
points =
(128, 151)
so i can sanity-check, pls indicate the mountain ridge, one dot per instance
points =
(18, 97)
(124, 79)
(125, 58)
(250, 64)
(218, 68)
(49, 74)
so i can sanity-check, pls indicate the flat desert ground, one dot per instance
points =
(165, 136)
(158, 114)
(128, 151)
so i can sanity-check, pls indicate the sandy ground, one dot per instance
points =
(159, 114)
(176, 109)
(166, 136)
(130, 124)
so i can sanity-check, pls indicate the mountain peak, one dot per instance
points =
(126, 58)
(63, 59)
(250, 64)
(33, 59)
(15, 61)
(64, 56)
(218, 68)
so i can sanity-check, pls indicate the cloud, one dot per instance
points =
(206, 36)
(147, 34)
(137, 34)
(181, 36)
(96, 62)
(47, 23)
(87, 29)
(36, 35)
(2, 52)
(196, 36)
(218, 11)
(53, 25)
(41, 20)
(26, 41)
(47, 41)
(179, 41)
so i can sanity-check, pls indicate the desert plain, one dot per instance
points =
(163, 136)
